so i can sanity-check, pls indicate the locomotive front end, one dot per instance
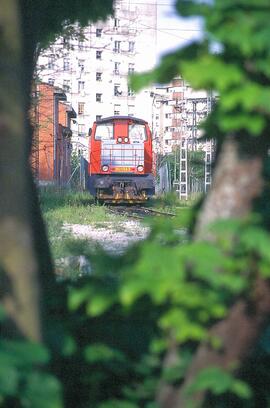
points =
(120, 168)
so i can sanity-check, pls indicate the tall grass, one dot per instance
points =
(73, 207)
(171, 202)
(68, 207)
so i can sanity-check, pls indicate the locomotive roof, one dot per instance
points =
(111, 118)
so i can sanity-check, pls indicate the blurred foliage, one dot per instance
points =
(232, 59)
(22, 381)
(49, 18)
(110, 331)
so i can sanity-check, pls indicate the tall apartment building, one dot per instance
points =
(93, 70)
(177, 111)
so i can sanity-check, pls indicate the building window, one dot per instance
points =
(81, 45)
(167, 115)
(116, 90)
(131, 46)
(66, 85)
(166, 128)
(131, 110)
(81, 86)
(51, 62)
(98, 32)
(66, 41)
(98, 97)
(116, 110)
(116, 68)
(131, 68)
(81, 64)
(98, 76)
(98, 117)
(51, 81)
(81, 108)
(130, 92)
(81, 130)
(66, 64)
(98, 55)
(116, 22)
(117, 45)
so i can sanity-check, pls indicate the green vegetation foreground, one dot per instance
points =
(174, 322)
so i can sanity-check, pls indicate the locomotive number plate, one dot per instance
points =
(123, 169)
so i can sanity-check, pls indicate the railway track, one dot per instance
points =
(138, 212)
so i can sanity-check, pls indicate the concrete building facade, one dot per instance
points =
(177, 112)
(93, 69)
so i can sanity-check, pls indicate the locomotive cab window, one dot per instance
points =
(137, 133)
(104, 132)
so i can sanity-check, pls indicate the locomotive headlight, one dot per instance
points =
(105, 167)
(119, 139)
(140, 168)
(126, 139)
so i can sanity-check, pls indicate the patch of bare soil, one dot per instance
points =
(113, 238)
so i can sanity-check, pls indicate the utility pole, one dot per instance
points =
(35, 141)
(183, 176)
(194, 126)
(208, 166)
(208, 150)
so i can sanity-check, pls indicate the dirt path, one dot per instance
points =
(114, 238)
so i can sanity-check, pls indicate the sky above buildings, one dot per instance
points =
(172, 30)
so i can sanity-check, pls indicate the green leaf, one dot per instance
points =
(22, 353)
(42, 390)
(226, 74)
(96, 353)
(118, 404)
(79, 296)
(218, 381)
(99, 303)
(183, 327)
(241, 389)
(9, 380)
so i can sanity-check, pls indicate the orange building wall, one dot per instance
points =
(46, 132)
(62, 112)
(51, 152)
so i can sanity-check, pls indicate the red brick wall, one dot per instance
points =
(50, 157)
(45, 132)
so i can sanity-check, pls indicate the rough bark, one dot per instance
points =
(237, 182)
(20, 253)
(238, 332)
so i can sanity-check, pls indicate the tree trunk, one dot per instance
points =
(237, 182)
(21, 259)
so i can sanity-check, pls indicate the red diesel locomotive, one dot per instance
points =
(121, 160)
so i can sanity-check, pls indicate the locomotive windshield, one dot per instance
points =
(107, 131)
(137, 133)
(104, 132)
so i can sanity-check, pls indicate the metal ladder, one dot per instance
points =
(209, 147)
(183, 182)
